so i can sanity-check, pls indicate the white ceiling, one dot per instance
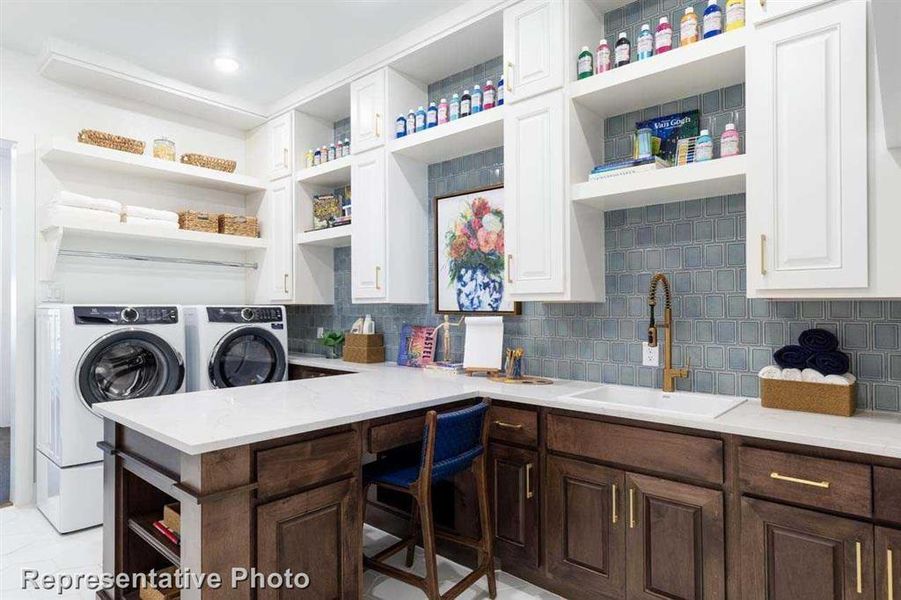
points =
(281, 45)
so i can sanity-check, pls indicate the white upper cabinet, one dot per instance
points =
(533, 49)
(759, 11)
(274, 278)
(281, 156)
(369, 246)
(367, 112)
(807, 142)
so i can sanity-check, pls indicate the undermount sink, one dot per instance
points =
(656, 401)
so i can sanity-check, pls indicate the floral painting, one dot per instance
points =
(470, 251)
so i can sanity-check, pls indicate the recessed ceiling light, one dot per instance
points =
(224, 64)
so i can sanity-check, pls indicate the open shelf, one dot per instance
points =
(716, 177)
(468, 135)
(143, 527)
(709, 64)
(64, 151)
(334, 173)
(334, 237)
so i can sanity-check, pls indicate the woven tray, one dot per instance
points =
(804, 396)
(237, 225)
(111, 141)
(209, 162)
(198, 221)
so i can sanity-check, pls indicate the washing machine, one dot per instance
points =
(232, 346)
(87, 355)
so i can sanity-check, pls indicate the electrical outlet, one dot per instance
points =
(650, 355)
(51, 292)
(320, 333)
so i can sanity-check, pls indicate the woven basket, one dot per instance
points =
(198, 221)
(236, 225)
(209, 162)
(371, 354)
(806, 396)
(111, 141)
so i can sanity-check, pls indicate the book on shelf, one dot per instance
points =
(167, 532)
(627, 167)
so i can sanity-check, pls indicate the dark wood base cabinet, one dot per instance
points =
(514, 488)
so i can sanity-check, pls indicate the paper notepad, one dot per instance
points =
(484, 345)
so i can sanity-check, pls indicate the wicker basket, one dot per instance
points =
(209, 162)
(805, 396)
(111, 141)
(236, 225)
(198, 221)
(370, 354)
(146, 592)
(172, 516)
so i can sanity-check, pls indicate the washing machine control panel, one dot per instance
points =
(125, 315)
(244, 314)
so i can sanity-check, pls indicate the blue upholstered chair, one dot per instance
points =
(452, 442)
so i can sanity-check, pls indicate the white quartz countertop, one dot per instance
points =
(200, 422)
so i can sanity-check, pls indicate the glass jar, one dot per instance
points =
(164, 148)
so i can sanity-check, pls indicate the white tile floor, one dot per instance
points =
(27, 540)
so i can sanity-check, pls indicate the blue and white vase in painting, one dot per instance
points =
(479, 290)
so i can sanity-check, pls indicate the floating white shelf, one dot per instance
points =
(709, 64)
(468, 135)
(334, 173)
(64, 151)
(698, 180)
(334, 237)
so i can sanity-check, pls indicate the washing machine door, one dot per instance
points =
(247, 356)
(126, 364)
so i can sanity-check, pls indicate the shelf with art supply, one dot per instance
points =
(468, 135)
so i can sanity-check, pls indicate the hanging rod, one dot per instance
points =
(161, 259)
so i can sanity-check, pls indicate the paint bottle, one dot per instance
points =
(500, 91)
(465, 104)
(645, 43)
(584, 65)
(602, 64)
(454, 107)
(346, 147)
(420, 119)
(332, 152)
(431, 118)
(713, 19)
(489, 95)
(443, 111)
(308, 158)
(323, 153)
(729, 141)
(476, 99)
(663, 37)
(735, 14)
(339, 149)
(317, 157)
(688, 27)
(400, 126)
(622, 51)
(703, 146)
(411, 121)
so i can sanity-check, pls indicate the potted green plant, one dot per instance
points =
(332, 340)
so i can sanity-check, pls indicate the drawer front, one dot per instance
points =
(399, 433)
(304, 464)
(818, 482)
(887, 496)
(515, 425)
(672, 453)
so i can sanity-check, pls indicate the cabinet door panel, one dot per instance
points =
(533, 160)
(795, 554)
(317, 533)
(584, 533)
(533, 39)
(515, 494)
(368, 250)
(674, 540)
(807, 139)
(280, 146)
(276, 210)
(888, 563)
(367, 112)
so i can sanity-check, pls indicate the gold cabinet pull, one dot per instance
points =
(631, 508)
(508, 81)
(378, 270)
(859, 568)
(503, 425)
(285, 156)
(378, 125)
(763, 254)
(286, 283)
(529, 491)
(820, 484)
(613, 516)
(509, 268)
(889, 573)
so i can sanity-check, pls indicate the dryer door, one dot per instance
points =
(126, 364)
(247, 356)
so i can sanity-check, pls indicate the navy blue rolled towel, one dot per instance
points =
(792, 357)
(818, 340)
(830, 363)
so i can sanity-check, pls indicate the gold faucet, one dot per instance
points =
(669, 373)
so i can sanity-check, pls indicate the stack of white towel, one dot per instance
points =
(808, 375)
(149, 217)
(69, 205)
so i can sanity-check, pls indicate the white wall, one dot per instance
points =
(7, 288)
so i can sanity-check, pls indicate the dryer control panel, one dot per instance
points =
(244, 314)
(125, 315)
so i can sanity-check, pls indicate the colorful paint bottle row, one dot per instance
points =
(439, 113)
(324, 154)
(651, 44)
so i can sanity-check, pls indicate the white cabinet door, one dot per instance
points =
(533, 48)
(280, 146)
(759, 11)
(276, 214)
(369, 246)
(367, 112)
(534, 195)
(807, 142)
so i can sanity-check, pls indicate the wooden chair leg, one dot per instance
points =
(414, 533)
(485, 521)
(428, 545)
